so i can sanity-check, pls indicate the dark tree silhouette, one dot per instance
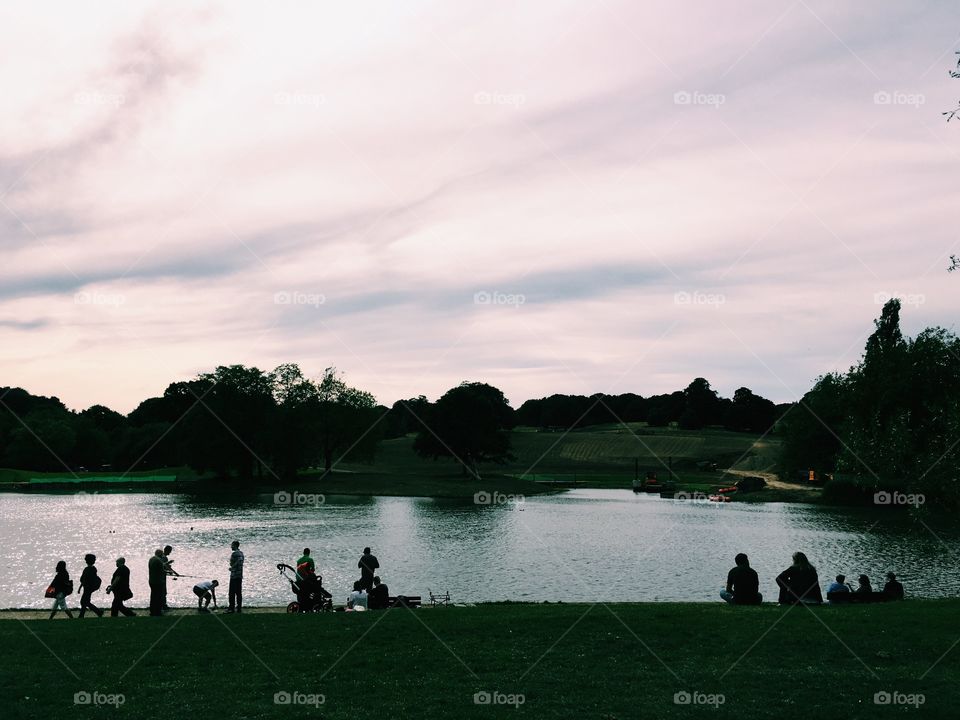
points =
(469, 423)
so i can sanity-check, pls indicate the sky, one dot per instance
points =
(551, 197)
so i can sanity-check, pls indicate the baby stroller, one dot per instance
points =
(311, 597)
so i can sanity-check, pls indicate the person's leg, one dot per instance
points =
(84, 602)
(116, 607)
(727, 596)
(156, 602)
(232, 596)
(239, 594)
(56, 605)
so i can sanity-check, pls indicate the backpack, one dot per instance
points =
(94, 584)
(68, 588)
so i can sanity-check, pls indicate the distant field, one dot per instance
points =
(156, 475)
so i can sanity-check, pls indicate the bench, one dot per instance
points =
(841, 598)
(437, 599)
(408, 600)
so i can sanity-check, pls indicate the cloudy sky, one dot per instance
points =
(591, 196)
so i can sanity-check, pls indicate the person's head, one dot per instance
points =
(357, 586)
(167, 549)
(214, 583)
(891, 576)
(800, 560)
(306, 551)
(841, 579)
(235, 544)
(61, 566)
(376, 579)
(121, 561)
(366, 551)
(863, 580)
(89, 558)
(742, 560)
(158, 553)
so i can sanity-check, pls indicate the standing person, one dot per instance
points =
(62, 586)
(205, 591)
(799, 583)
(89, 584)
(168, 569)
(235, 593)
(158, 582)
(368, 564)
(306, 565)
(120, 587)
(893, 589)
(742, 583)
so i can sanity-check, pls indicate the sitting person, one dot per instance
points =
(893, 589)
(864, 585)
(742, 584)
(799, 583)
(839, 585)
(379, 597)
(358, 598)
(205, 591)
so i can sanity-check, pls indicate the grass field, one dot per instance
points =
(542, 661)
(600, 456)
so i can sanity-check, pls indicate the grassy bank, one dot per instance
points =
(616, 661)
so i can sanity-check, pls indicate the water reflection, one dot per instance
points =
(579, 546)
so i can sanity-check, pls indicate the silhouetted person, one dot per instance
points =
(62, 587)
(839, 585)
(742, 584)
(368, 564)
(205, 591)
(864, 585)
(306, 563)
(358, 598)
(799, 582)
(157, 576)
(893, 589)
(168, 569)
(379, 597)
(89, 584)
(235, 591)
(120, 587)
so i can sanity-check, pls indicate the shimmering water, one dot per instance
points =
(582, 545)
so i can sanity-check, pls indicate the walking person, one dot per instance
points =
(60, 587)
(368, 565)
(89, 584)
(157, 576)
(235, 592)
(120, 587)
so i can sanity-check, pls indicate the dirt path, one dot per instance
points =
(775, 483)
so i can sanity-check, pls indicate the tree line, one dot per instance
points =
(891, 424)
(248, 424)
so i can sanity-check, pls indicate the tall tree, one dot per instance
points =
(468, 423)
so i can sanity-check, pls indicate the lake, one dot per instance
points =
(582, 545)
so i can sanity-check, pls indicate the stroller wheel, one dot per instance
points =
(293, 607)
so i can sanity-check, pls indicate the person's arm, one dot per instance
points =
(730, 581)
